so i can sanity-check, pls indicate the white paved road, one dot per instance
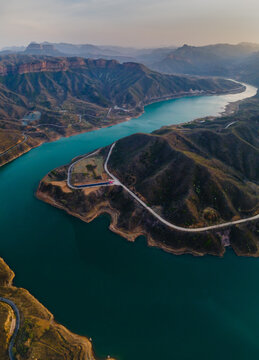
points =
(69, 172)
(230, 124)
(71, 168)
(165, 222)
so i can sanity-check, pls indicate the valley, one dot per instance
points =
(129, 180)
(75, 95)
(212, 193)
(83, 256)
(194, 210)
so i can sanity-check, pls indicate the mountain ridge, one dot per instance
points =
(73, 95)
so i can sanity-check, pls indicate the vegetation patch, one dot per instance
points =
(89, 170)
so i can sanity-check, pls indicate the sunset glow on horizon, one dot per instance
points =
(144, 23)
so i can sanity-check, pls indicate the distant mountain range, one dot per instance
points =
(217, 60)
(73, 94)
(50, 82)
(211, 60)
(119, 53)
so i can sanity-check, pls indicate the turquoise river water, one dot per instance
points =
(134, 301)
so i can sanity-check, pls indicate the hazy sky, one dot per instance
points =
(129, 22)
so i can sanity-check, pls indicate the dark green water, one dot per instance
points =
(135, 302)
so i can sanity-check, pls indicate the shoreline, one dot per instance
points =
(105, 209)
(132, 234)
(31, 309)
(127, 118)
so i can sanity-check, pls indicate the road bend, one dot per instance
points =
(165, 222)
(75, 187)
(25, 138)
(17, 326)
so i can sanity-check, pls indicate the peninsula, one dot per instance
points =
(191, 188)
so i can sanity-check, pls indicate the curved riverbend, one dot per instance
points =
(131, 294)
(17, 326)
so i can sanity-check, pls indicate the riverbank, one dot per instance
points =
(196, 215)
(50, 251)
(39, 335)
(105, 208)
(232, 107)
(32, 142)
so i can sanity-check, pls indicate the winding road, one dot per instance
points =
(162, 220)
(116, 181)
(17, 326)
(230, 124)
(13, 147)
(70, 169)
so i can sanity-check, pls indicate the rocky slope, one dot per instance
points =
(193, 175)
(100, 81)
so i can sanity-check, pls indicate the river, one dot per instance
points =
(134, 301)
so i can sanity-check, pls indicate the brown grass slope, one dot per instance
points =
(183, 176)
(62, 88)
(193, 177)
(39, 337)
(50, 82)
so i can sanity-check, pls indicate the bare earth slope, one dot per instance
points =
(194, 175)
(73, 95)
